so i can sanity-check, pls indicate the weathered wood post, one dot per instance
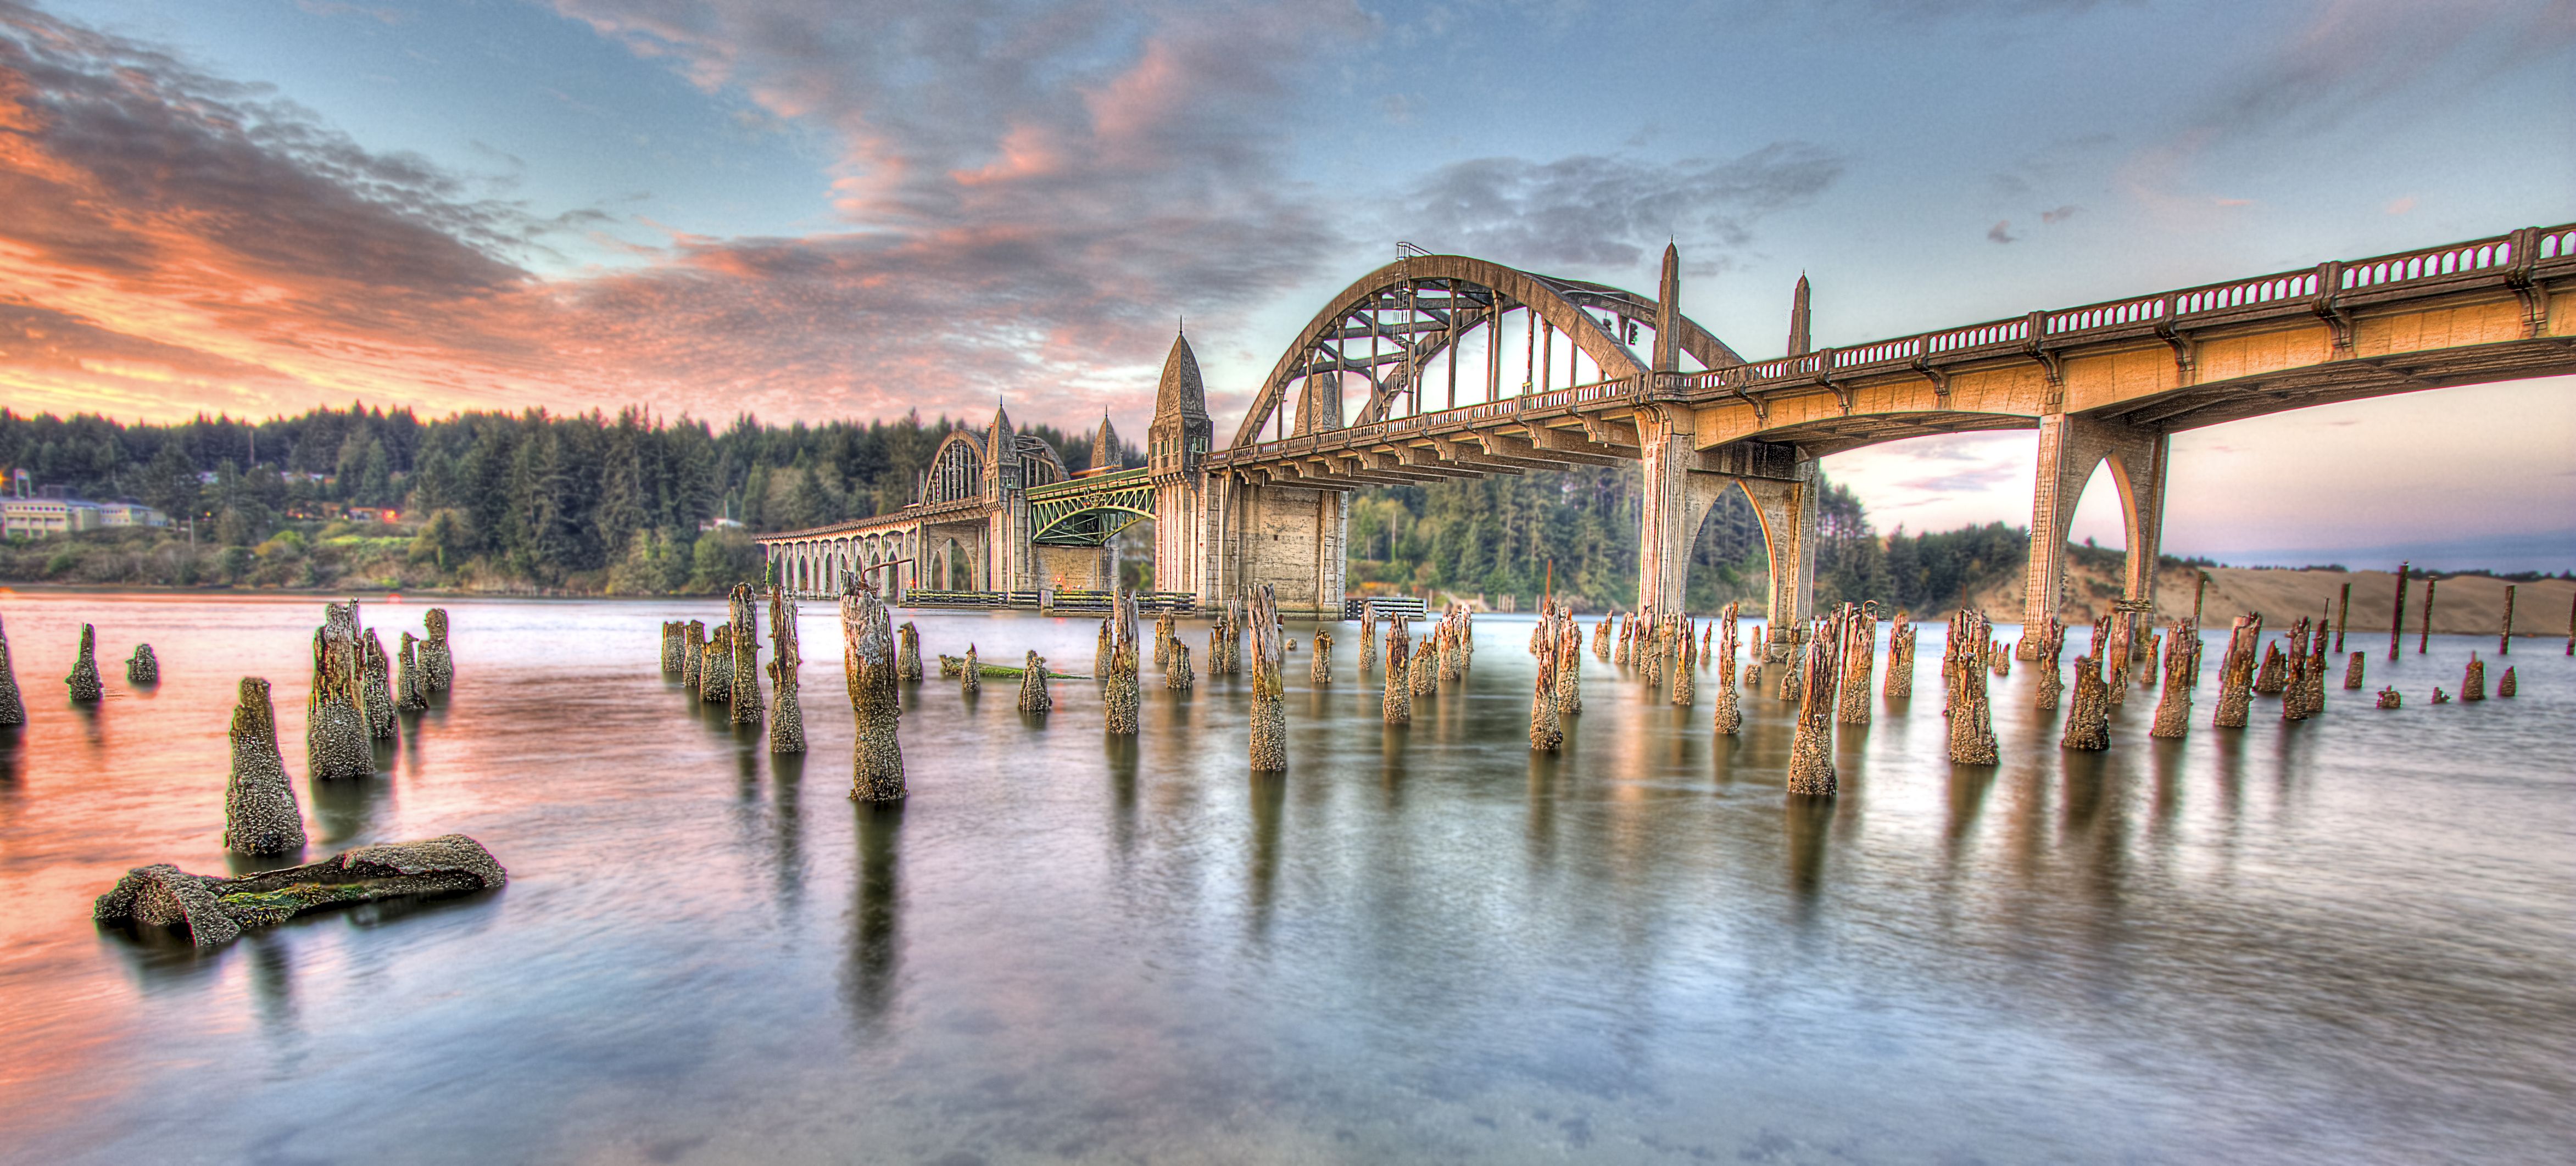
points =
(673, 636)
(867, 662)
(378, 689)
(2505, 686)
(83, 681)
(1793, 673)
(1900, 656)
(2181, 664)
(1421, 677)
(1963, 681)
(1163, 629)
(2271, 678)
(1034, 697)
(2352, 670)
(335, 733)
(908, 665)
(2424, 631)
(1730, 710)
(2389, 698)
(2473, 683)
(1811, 753)
(1106, 646)
(1397, 704)
(1269, 685)
(715, 668)
(1368, 638)
(1656, 643)
(1234, 617)
(1627, 640)
(1860, 660)
(409, 695)
(1177, 676)
(787, 658)
(2397, 620)
(1121, 698)
(1685, 669)
(142, 667)
(2088, 719)
(1545, 732)
(1601, 638)
(260, 814)
(2051, 645)
(2294, 678)
(1569, 664)
(2316, 674)
(2236, 673)
(693, 654)
(1319, 671)
(744, 671)
(2504, 639)
(437, 664)
(13, 708)
(970, 678)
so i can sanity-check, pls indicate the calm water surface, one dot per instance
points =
(2347, 940)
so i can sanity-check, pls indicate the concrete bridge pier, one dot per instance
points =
(1682, 483)
(2070, 447)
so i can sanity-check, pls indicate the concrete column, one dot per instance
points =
(1787, 508)
(1664, 531)
(2069, 449)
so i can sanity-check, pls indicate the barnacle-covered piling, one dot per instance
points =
(745, 676)
(13, 709)
(1545, 732)
(214, 910)
(675, 636)
(787, 658)
(2389, 699)
(142, 667)
(260, 814)
(2181, 668)
(1177, 676)
(970, 674)
(1269, 685)
(1811, 760)
(83, 681)
(2505, 685)
(1729, 718)
(1685, 687)
(908, 664)
(1319, 671)
(2473, 683)
(715, 666)
(1860, 659)
(1397, 704)
(409, 695)
(335, 731)
(1569, 665)
(378, 690)
(2352, 670)
(2236, 673)
(693, 657)
(1963, 678)
(2088, 719)
(1368, 639)
(1034, 697)
(1120, 697)
(867, 661)
(2049, 645)
(1900, 656)
(437, 664)
(2274, 675)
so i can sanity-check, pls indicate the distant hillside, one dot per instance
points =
(2466, 604)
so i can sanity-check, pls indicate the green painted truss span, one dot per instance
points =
(1088, 512)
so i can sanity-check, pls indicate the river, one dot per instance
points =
(2346, 940)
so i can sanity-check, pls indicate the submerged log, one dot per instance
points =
(1729, 718)
(1269, 685)
(1319, 671)
(1811, 759)
(213, 910)
(908, 665)
(1177, 676)
(1963, 677)
(2236, 673)
(787, 661)
(2389, 699)
(13, 709)
(2473, 684)
(2352, 670)
(260, 814)
(2181, 667)
(1034, 697)
(1397, 704)
(83, 681)
(746, 655)
(437, 664)
(867, 661)
(142, 667)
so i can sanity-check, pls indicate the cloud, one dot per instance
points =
(2059, 215)
(1028, 194)
(2001, 232)
(1593, 211)
(2402, 205)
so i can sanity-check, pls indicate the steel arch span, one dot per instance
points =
(1391, 324)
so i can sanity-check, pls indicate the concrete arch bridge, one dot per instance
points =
(1437, 367)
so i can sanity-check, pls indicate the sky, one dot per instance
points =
(823, 209)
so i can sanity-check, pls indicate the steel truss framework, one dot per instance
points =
(1088, 512)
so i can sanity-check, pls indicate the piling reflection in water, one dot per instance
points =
(1409, 945)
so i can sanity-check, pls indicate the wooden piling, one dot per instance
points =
(868, 663)
(1034, 697)
(437, 663)
(2389, 699)
(1319, 671)
(970, 675)
(2505, 687)
(1963, 678)
(1730, 709)
(1900, 656)
(2352, 669)
(746, 708)
(1368, 639)
(13, 708)
(715, 666)
(1569, 665)
(409, 694)
(1546, 734)
(2181, 664)
(1397, 703)
(376, 685)
(2397, 619)
(908, 664)
(2343, 613)
(2088, 717)
(2236, 673)
(260, 814)
(142, 667)
(2504, 639)
(786, 679)
(335, 732)
(2424, 631)
(1177, 676)
(1269, 685)
(1860, 661)
(2473, 683)
(1421, 676)
(83, 681)
(1685, 683)
(693, 653)
(2051, 643)
(1121, 697)
(1811, 761)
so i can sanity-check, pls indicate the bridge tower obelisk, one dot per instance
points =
(1176, 449)
(1664, 433)
(1006, 535)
